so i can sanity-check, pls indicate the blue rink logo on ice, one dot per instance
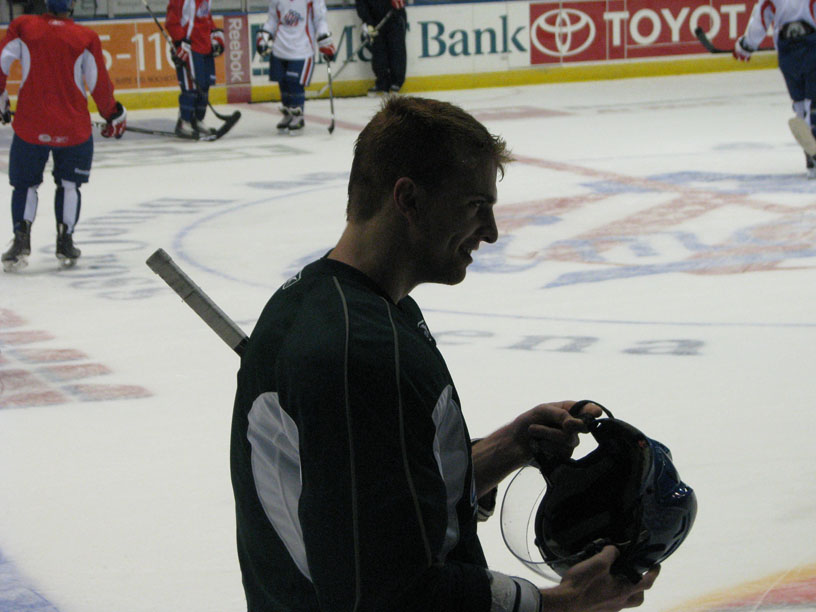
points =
(16, 594)
(668, 233)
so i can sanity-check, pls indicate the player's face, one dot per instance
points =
(459, 217)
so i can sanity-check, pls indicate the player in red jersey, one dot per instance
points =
(60, 60)
(197, 43)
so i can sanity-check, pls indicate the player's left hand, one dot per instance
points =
(217, 41)
(5, 108)
(742, 51)
(116, 123)
(326, 47)
(551, 429)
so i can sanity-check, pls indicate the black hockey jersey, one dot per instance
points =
(350, 457)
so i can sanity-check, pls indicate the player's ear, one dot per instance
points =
(405, 197)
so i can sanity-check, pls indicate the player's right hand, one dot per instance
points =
(590, 585)
(5, 108)
(742, 51)
(367, 34)
(263, 43)
(116, 123)
(182, 53)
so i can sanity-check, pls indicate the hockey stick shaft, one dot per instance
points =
(170, 42)
(162, 264)
(706, 42)
(138, 130)
(331, 97)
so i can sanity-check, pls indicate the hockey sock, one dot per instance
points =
(23, 205)
(67, 203)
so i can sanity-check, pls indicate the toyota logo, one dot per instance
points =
(563, 26)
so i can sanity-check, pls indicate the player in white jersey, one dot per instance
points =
(289, 38)
(794, 35)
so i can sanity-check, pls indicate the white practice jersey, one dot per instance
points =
(295, 26)
(776, 13)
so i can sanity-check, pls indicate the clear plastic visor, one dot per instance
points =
(518, 512)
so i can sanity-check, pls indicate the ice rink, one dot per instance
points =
(657, 255)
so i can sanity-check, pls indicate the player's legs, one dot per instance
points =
(396, 55)
(204, 79)
(379, 63)
(72, 168)
(187, 98)
(26, 165)
(293, 76)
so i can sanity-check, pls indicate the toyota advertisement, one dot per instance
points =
(616, 29)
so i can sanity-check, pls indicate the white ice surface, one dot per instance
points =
(659, 240)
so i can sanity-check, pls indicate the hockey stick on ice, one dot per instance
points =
(346, 62)
(140, 130)
(231, 119)
(706, 42)
(331, 97)
(163, 265)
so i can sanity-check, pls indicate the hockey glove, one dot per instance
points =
(742, 51)
(5, 108)
(326, 47)
(183, 52)
(217, 41)
(116, 123)
(263, 43)
(398, 4)
(367, 34)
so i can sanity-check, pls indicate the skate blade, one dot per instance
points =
(15, 266)
(66, 262)
(296, 132)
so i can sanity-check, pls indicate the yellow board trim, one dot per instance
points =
(527, 76)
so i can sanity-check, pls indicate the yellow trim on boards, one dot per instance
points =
(526, 76)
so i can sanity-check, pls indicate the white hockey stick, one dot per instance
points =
(163, 265)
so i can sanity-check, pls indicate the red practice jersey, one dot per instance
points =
(60, 59)
(191, 19)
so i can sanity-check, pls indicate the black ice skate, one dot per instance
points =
(16, 257)
(297, 123)
(283, 124)
(67, 253)
(811, 166)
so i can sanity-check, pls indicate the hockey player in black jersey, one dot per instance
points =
(356, 482)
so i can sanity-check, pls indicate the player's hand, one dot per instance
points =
(116, 123)
(550, 429)
(742, 51)
(263, 43)
(326, 47)
(5, 108)
(590, 586)
(217, 41)
(398, 4)
(183, 52)
(367, 34)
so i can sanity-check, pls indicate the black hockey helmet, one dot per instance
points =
(625, 492)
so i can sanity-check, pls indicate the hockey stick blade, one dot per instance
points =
(230, 121)
(802, 133)
(215, 318)
(704, 40)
